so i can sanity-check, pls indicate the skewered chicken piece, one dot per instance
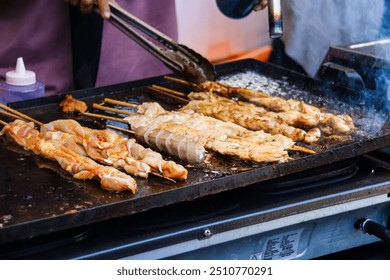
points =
(273, 126)
(342, 124)
(279, 104)
(248, 116)
(267, 152)
(80, 166)
(336, 124)
(330, 123)
(75, 143)
(23, 133)
(110, 148)
(254, 117)
(293, 118)
(275, 103)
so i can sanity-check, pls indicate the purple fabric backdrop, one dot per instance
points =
(38, 30)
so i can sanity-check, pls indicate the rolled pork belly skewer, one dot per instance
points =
(174, 144)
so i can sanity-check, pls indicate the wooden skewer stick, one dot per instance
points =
(302, 149)
(162, 176)
(179, 81)
(163, 91)
(114, 110)
(23, 116)
(178, 93)
(3, 123)
(122, 103)
(4, 113)
(120, 129)
(98, 116)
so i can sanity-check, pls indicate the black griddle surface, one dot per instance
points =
(37, 197)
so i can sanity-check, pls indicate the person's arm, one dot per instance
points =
(87, 5)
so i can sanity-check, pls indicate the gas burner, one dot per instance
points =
(308, 180)
(187, 212)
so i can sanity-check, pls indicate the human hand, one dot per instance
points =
(260, 5)
(87, 5)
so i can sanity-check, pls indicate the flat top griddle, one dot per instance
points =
(37, 197)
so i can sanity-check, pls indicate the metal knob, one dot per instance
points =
(207, 233)
(373, 228)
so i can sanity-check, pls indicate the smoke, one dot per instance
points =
(372, 122)
(369, 114)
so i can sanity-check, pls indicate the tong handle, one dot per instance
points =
(146, 44)
(142, 26)
(179, 58)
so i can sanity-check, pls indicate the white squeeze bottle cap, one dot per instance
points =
(20, 76)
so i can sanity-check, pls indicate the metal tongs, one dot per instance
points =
(182, 60)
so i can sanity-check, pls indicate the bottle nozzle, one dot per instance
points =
(20, 68)
(20, 76)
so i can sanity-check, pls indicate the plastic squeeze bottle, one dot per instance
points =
(20, 84)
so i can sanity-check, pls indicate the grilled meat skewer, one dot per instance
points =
(201, 122)
(331, 124)
(176, 145)
(246, 119)
(250, 116)
(328, 123)
(212, 125)
(211, 140)
(80, 166)
(110, 148)
(213, 134)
